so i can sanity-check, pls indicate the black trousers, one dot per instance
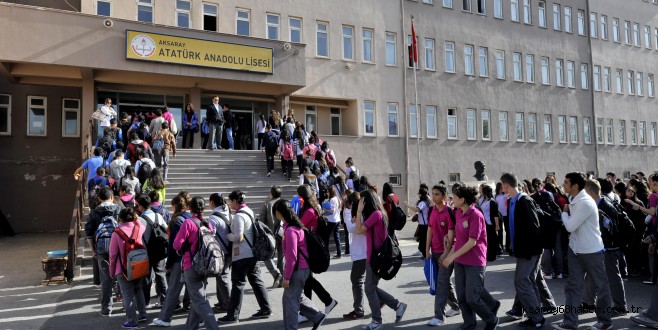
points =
(241, 271)
(186, 133)
(269, 156)
(312, 285)
(422, 239)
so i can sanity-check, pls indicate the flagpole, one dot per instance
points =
(415, 49)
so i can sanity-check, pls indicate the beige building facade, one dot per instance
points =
(533, 87)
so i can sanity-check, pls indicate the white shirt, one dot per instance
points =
(501, 199)
(583, 224)
(485, 206)
(260, 126)
(423, 210)
(357, 241)
(334, 204)
(109, 114)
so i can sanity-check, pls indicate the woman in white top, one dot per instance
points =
(109, 113)
(331, 208)
(349, 167)
(422, 208)
(501, 200)
(260, 130)
(358, 274)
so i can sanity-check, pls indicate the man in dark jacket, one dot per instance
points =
(267, 216)
(103, 214)
(524, 230)
(215, 118)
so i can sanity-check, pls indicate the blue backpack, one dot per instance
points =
(104, 234)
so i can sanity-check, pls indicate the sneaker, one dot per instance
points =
(161, 323)
(645, 321)
(648, 282)
(559, 276)
(261, 314)
(452, 312)
(619, 311)
(268, 174)
(129, 325)
(514, 313)
(529, 323)
(105, 313)
(563, 326)
(227, 319)
(493, 325)
(319, 322)
(142, 319)
(219, 310)
(353, 315)
(336, 257)
(601, 326)
(548, 277)
(399, 312)
(373, 326)
(301, 318)
(434, 322)
(330, 307)
(157, 305)
(277, 281)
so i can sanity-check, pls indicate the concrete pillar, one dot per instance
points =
(88, 105)
(195, 99)
(283, 104)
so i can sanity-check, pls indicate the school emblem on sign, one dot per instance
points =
(143, 45)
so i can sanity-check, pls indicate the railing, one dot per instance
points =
(78, 210)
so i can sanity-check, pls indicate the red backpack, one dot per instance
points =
(136, 262)
(331, 162)
(288, 154)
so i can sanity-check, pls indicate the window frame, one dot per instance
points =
(471, 121)
(269, 25)
(619, 81)
(433, 121)
(603, 21)
(584, 76)
(333, 115)
(239, 19)
(559, 72)
(527, 12)
(318, 32)
(654, 136)
(651, 85)
(607, 79)
(630, 82)
(470, 61)
(562, 129)
(514, 8)
(541, 13)
(622, 132)
(215, 15)
(481, 7)
(414, 113)
(517, 66)
(393, 108)
(311, 111)
(184, 11)
(144, 5)
(449, 53)
(610, 131)
(642, 133)
(520, 115)
(545, 75)
(503, 126)
(568, 19)
(530, 68)
(582, 27)
(596, 76)
(557, 13)
(532, 127)
(587, 130)
(455, 123)
(430, 54)
(639, 84)
(593, 25)
(647, 37)
(388, 43)
(485, 116)
(371, 39)
(109, 2)
(483, 61)
(600, 138)
(467, 6)
(571, 74)
(573, 129)
(500, 65)
(616, 35)
(44, 107)
(634, 140)
(498, 9)
(636, 35)
(548, 128)
(73, 110)
(366, 110)
(345, 38)
(627, 33)
(447, 4)
(292, 28)
(8, 107)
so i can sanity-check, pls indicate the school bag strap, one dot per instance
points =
(221, 216)
(252, 225)
(130, 240)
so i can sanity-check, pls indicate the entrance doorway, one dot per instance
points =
(246, 113)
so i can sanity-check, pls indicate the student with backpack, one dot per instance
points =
(489, 208)
(358, 271)
(129, 179)
(144, 167)
(288, 154)
(158, 207)
(91, 164)
(99, 227)
(371, 221)
(390, 203)
(221, 221)
(136, 147)
(118, 165)
(270, 145)
(187, 244)
(127, 197)
(95, 184)
(155, 183)
(164, 142)
(296, 270)
(157, 242)
(422, 208)
(126, 240)
(111, 135)
(441, 231)
(267, 216)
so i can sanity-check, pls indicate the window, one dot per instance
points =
(542, 13)
(520, 131)
(633, 132)
(466, 5)
(484, 61)
(243, 22)
(447, 3)
(273, 22)
(653, 134)
(643, 133)
(527, 12)
(584, 81)
(620, 81)
(321, 39)
(369, 117)
(545, 71)
(622, 132)
(636, 35)
(429, 2)
(469, 68)
(500, 64)
(593, 30)
(567, 19)
(429, 55)
(516, 67)
(295, 29)
(348, 43)
(482, 7)
(571, 79)
(604, 27)
(36, 115)
(368, 46)
(392, 111)
(532, 127)
(210, 17)
(452, 124)
(413, 120)
(103, 8)
(395, 179)
(599, 130)
(450, 56)
(627, 32)
(610, 128)
(607, 82)
(615, 29)
(557, 23)
(530, 68)
(311, 118)
(587, 134)
(562, 128)
(559, 73)
(471, 133)
(183, 13)
(647, 37)
(485, 116)
(639, 84)
(70, 118)
(573, 129)
(597, 77)
(651, 91)
(5, 114)
(454, 177)
(145, 11)
(335, 121)
(630, 82)
(391, 58)
(514, 8)
(430, 112)
(503, 131)
(548, 129)
(498, 8)
(581, 22)
(655, 34)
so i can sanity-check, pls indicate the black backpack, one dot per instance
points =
(608, 229)
(386, 261)
(271, 140)
(145, 170)
(159, 241)
(318, 252)
(625, 227)
(323, 229)
(398, 217)
(106, 143)
(264, 244)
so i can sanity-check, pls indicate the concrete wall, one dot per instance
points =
(37, 172)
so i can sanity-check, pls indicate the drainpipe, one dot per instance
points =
(594, 124)
(403, 37)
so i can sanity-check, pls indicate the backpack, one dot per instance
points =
(386, 261)
(318, 252)
(144, 174)
(271, 140)
(287, 151)
(104, 234)
(135, 150)
(208, 261)
(158, 143)
(106, 143)
(608, 229)
(398, 217)
(264, 245)
(323, 229)
(136, 264)
(549, 207)
(143, 133)
(625, 227)
(93, 192)
(205, 130)
(229, 245)
(173, 127)
(159, 241)
(331, 162)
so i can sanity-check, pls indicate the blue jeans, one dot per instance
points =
(229, 135)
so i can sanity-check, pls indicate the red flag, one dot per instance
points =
(414, 44)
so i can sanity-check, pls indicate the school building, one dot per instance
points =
(529, 86)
